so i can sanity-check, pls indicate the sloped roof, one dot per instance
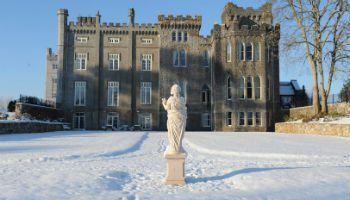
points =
(286, 88)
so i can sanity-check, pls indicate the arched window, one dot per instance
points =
(241, 48)
(176, 58)
(249, 87)
(256, 51)
(257, 87)
(249, 52)
(228, 52)
(241, 88)
(229, 88)
(205, 59)
(183, 58)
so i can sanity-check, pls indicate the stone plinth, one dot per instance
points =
(175, 169)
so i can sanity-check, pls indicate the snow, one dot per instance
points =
(130, 165)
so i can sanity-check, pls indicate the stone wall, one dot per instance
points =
(29, 127)
(314, 128)
(38, 112)
(301, 112)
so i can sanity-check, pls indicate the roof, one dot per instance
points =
(286, 89)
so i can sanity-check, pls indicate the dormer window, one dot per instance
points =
(114, 40)
(82, 39)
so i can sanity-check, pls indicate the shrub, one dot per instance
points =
(11, 106)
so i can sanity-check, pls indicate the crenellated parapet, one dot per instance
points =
(180, 22)
(146, 29)
(249, 16)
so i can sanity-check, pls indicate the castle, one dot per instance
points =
(112, 74)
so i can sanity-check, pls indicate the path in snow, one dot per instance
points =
(130, 165)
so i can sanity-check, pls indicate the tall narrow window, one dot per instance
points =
(228, 52)
(268, 89)
(258, 119)
(113, 93)
(146, 92)
(173, 36)
(268, 53)
(249, 88)
(241, 88)
(241, 51)
(176, 58)
(146, 62)
(113, 119)
(249, 52)
(183, 58)
(79, 120)
(205, 120)
(145, 121)
(179, 36)
(183, 86)
(80, 93)
(114, 61)
(54, 87)
(229, 119)
(185, 36)
(256, 51)
(229, 88)
(80, 61)
(241, 119)
(250, 118)
(205, 59)
(257, 87)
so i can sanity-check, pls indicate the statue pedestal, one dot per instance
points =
(175, 169)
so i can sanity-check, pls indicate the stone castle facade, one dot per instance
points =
(111, 74)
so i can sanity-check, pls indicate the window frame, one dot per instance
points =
(257, 88)
(205, 117)
(229, 88)
(80, 116)
(80, 93)
(112, 93)
(113, 116)
(228, 52)
(146, 89)
(146, 62)
(81, 39)
(114, 40)
(229, 118)
(250, 119)
(240, 118)
(78, 62)
(115, 58)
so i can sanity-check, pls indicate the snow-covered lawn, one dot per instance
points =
(130, 165)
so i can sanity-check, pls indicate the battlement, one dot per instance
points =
(180, 21)
(236, 14)
(86, 21)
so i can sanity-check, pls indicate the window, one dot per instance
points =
(268, 89)
(80, 93)
(268, 53)
(113, 93)
(241, 48)
(183, 86)
(146, 40)
(228, 52)
(257, 51)
(54, 66)
(183, 58)
(185, 36)
(257, 119)
(179, 36)
(249, 88)
(241, 88)
(176, 58)
(54, 87)
(205, 120)
(229, 89)
(80, 61)
(249, 52)
(113, 119)
(79, 120)
(257, 87)
(145, 121)
(146, 92)
(114, 60)
(146, 62)
(113, 40)
(241, 119)
(205, 59)
(229, 119)
(205, 96)
(250, 119)
(173, 36)
(82, 39)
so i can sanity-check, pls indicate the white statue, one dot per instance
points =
(176, 124)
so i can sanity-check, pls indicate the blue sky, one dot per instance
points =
(29, 27)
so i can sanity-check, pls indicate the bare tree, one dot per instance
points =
(322, 27)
